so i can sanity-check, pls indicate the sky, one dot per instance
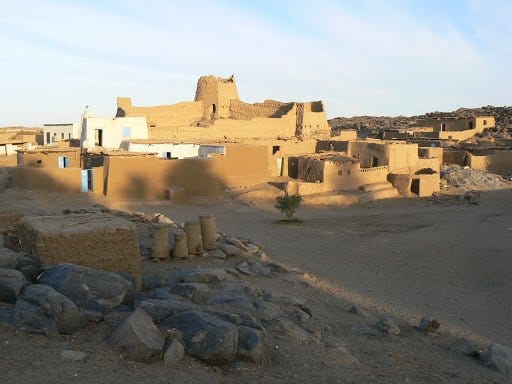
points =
(360, 57)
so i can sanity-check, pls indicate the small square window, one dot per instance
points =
(340, 173)
(127, 132)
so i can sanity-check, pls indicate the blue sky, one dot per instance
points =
(359, 57)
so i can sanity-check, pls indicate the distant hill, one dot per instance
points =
(366, 124)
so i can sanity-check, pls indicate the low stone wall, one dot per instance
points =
(62, 180)
(94, 240)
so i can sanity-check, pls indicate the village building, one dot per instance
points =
(55, 133)
(109, 132)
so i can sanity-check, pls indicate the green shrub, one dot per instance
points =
(288, 204)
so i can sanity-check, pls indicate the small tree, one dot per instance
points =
(288, 204)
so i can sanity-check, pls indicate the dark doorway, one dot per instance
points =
(48, 138)
(375, 161)
(98, 137)
(443, 127)
(415, 186)
(470, 125)
(214, 109)
(90, 182)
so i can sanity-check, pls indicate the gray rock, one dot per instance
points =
(161, 309)
(41, 308)
(28, 264)
(138, 337)
(93, 316)
(8, 258)
(200, 275)
(254, 268)
(217, 253)
(205, 336)
(499, 358)
(68, 354)
(429, 324)
(252, 345)
(89, 288)
(464, 347)
(358, 311)
(11, 283)
(174, 353)
(293, 331)
(277, 267)
(389, 326)
(230, 250)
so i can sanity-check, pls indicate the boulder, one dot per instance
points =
(161, 309)
(41, 308)
(205, 336)
(174, 353)
(252, 345)
(389, 326)
(229, 249)
(200, 275)
(464, 347)
(428, 324)
(11, 283)
(358, 311)
(89, 288)
(254, 268)
(28, 264)
(138, 337)
(499, 358)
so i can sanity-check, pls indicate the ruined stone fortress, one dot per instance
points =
(217, 141)
(217, 113)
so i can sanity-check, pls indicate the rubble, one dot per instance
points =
(470, 179)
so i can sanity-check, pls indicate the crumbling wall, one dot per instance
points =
(402, 182)
(314, 120)
(268, 109)
(163, 117)
(311, 170)
(93, 240)
(216, 94)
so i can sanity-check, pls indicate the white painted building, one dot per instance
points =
(161, 149)
(52, 133)
(109, 132)
(170, 150)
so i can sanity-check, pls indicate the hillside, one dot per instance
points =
(365, 124)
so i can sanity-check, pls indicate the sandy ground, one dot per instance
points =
(405, 258)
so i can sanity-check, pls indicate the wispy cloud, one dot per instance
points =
(360, 58)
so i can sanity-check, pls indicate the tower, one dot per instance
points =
(216, 94)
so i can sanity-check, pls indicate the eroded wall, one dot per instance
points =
(48, 159)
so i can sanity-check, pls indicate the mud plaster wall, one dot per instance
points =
(314, 120)
(430, 152)
(243, 165)
(43, 159)
(459, 135)
(62, 180)
(459, 157)
(164, 117)
(97, 241)
(429, 184)
(268, 109)
(496, 161)
(98, 179)
(311, 170)
(8, 161)
(402, 182)
(216, 95)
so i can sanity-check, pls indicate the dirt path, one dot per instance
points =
(410, 257)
